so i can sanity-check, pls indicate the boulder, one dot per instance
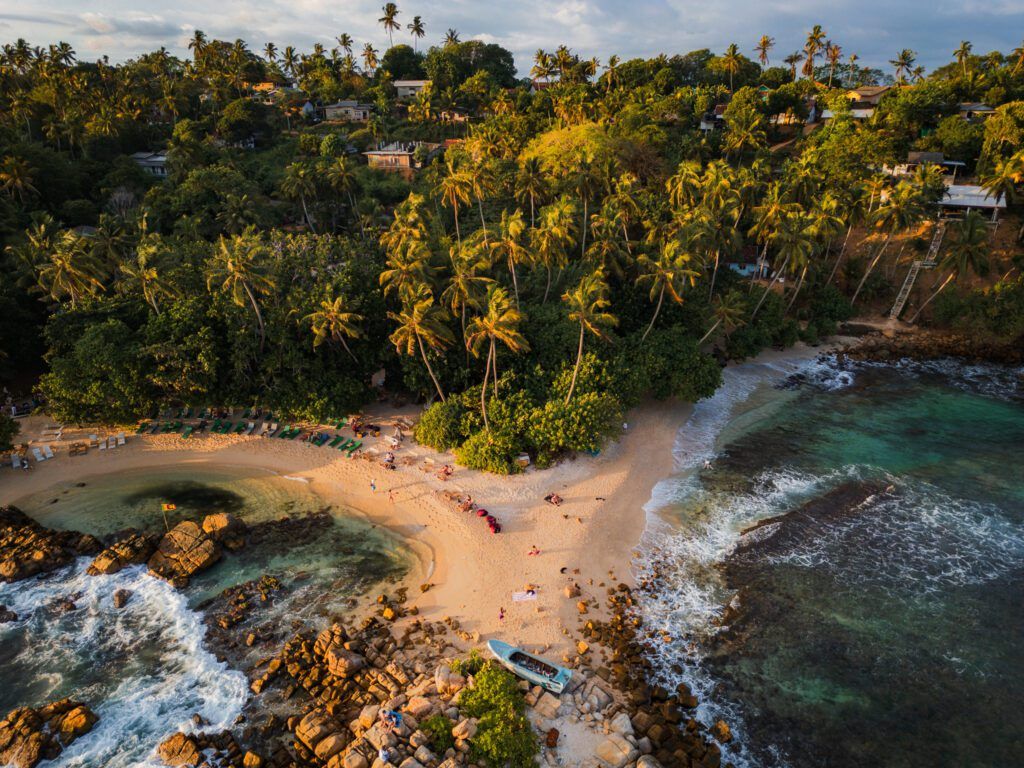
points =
(419, 707)
(341, 662)
(7, 615)
(616, 751)
(720, 730)
(134, 549)
(547, 706)
(315, 726)
(29, 736)
(465, 730)
(331, 745)
(180, 749)
(28, 548)
(647, 761)
(225, 528)
(252, 760)
(183, 551)
(621, 724)
(121, 597)
(368, 715)
(424, 755)
(410, 762)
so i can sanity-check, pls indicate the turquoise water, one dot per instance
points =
(878, 620)
(147, 668)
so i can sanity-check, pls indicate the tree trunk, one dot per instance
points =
(458, 235)
(305, 212)
(345, 345)
(430, 370)
(759, 265)
(483, 224)
(839, 258)
(928, 301)
(483, 389)
(533, 223)
(583, 247)
(259, 315)
(657, 309)
(494, 367)
(711, 330)
(576, 370)
(799, 285)
(515, 283)
(355, 212)
(871, 266)
(714, 274)
(764, 295)
(547, 288)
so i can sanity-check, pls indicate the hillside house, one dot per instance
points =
(351, 111)
(404, 157)
(153, 163)
(409, 89)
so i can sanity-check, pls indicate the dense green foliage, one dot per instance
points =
(439, 730)
(9, 430)
(574, 252)
(504, 738)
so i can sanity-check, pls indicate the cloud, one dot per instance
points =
(873, 29)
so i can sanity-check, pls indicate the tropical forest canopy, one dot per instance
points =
(572, 250)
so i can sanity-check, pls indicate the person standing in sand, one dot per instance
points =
(501, 614)
(373, 485)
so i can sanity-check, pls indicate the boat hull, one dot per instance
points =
(506, 654)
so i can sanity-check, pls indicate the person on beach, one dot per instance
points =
(533, 551)
(373, 485)
(391, 495)
(501, 614)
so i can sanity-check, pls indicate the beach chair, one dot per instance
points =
(93, 441)
(297, 431)
(345, 444)
(187, 433)
(142, 428)
(47, 452)
(226, 427)
(285, 432)
(111, 442)
(215, 427)
(322, 439)
(15, 461)
(39, 456)
(103, 445)
(335, 442)
(156, 428)
(272, 430)
(250, 427)
(264, 428)
(240, 428)
(120, 438)
(354, 447)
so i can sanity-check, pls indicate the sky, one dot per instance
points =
(873, 29)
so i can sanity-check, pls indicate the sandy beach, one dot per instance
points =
(474, 573)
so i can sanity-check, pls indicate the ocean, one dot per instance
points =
(840, 561)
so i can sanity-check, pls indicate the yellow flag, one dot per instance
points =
(168, 507)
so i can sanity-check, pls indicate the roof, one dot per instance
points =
(867, 91)
(409, 83)
(150, 157)
(401, 148)
(920, 158)
(348, 104)
(975, 106)
(970, 196)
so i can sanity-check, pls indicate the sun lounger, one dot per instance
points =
(240, 428)
(39, 456)
(111, 442)
(285, 432)
(345, 444)
(335, 442)
(120, 438)
(215, 427)
(78, 449)
(322, 439)
(354, 447)
(250, 427)
(225, 427)
(187, 433)
(272, 431)
(47, 451)
(142, 428)
(15, 461)
(155, 429)
(264, 428)
(103, 445)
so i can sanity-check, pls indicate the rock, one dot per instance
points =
(720, 730)
(313, 727)
(343, 663)
(183, 551)
(121, 597)
(252, 760)
(572, 591)
(180, 749)
(368, 715)
(424, 755)
(616, 751)
(621, 724)
(354, 759)
(547, 706)
(644, 745)
(223, 525)
(410, 762)
(465, 730)
(331, 745)
(7, 615)
(582, 648)
(28, 548)
(419, 707)
(647, 761)
(134, 549)
(28, 736)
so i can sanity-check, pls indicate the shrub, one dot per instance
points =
(580, 425)
(441, 426)
(439, 730)
(9, 429)
(470, 665)
(505, 736)
(491, 451)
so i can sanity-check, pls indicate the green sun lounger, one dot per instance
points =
(142, 428)
(285, 432)
(297, 431)
(345, 444)
(226, 427)
(240, 428)
(335, 442)
(354, 447)
(155, 429)
(187, 433)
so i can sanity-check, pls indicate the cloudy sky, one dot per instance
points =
(873, 29)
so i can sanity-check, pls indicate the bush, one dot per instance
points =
(439, 730)
(470, 665)
(9, 429)
(491, 451)
(580, 425)
(440, 426)
(505, 736)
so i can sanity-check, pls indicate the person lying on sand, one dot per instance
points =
(533, 551)
(553, 498)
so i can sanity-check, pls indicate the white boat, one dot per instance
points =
(529, 667)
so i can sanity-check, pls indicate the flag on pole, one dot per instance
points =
(168, 507)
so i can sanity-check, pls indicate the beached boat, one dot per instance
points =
(530, 667)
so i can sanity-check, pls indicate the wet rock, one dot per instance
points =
(179, 749)
(28, 548)
(551, 738)
(720, 730)
(225, 528)
(616, 751)
(183, 551)
(134, 549)
(121, 597)
(7, 615)
(29, 736)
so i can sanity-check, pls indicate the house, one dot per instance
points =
(454, 115)
(749, 262)
(962, 198)
(541, 85)
(869, 95)
(402, 156)
(917, 159)
(153, 163)
(975, 110)
(409, 89)
(352, 111)
(713, 119)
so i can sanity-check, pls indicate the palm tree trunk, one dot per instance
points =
(533, 223)
(625, 238)
(547, 288)
(515, 283)
(483, 389)
(799, 285)
(494, 366)
(714, 274)
(430, 370)
(345, 345)
(764, 295)
(583, 247)
(458, 235)
(760, 262)
(657, 309)
(355, 212)
(483, 224)
(259, 315)
(928, 301)
(839, 258)
(711, 330)
(576, 369)
(305, 212)
(871, 266)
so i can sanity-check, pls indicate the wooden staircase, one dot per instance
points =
(930, 260)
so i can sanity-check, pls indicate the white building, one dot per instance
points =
(154, 163)
(409, 89)
(351, 111)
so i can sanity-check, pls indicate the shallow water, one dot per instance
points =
(880, 622)
(144, 669)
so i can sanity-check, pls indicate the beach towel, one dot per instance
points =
(522, 597)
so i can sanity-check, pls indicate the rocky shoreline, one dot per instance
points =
(382, 682)
(884, 346)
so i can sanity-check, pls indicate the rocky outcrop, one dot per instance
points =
(29, 736)
(929, 344)
(183, 551)
(133, 549)
(226, 529)
(28, 548)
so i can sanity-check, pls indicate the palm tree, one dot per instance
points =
(550, 240)
(962, 54)
(417, 30)
(509, 244)
(585, 182)
(764, 45)
(587, 303)
(1002, 182)
(834, 54)
(143, 273)
(794, 242)
(814, 44)
(499, 323)
(732, 61)
(467, 283)
(769, 217)
(668, 273)
(531, 185)
(270, 52)
(390, 21)
(792, 60)
(346, 42)
(902, 209)
(451, 37)
(369, 58)
(728, 313)
(236, 266)
(967, 253)
(1018, 54)
(16, 177)
(198, 43)
(290, 60)
(299, 183)
(69, 270)
(903, 63)
(421, 324)
(342, 178)
(334, 321)
(455, 187)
